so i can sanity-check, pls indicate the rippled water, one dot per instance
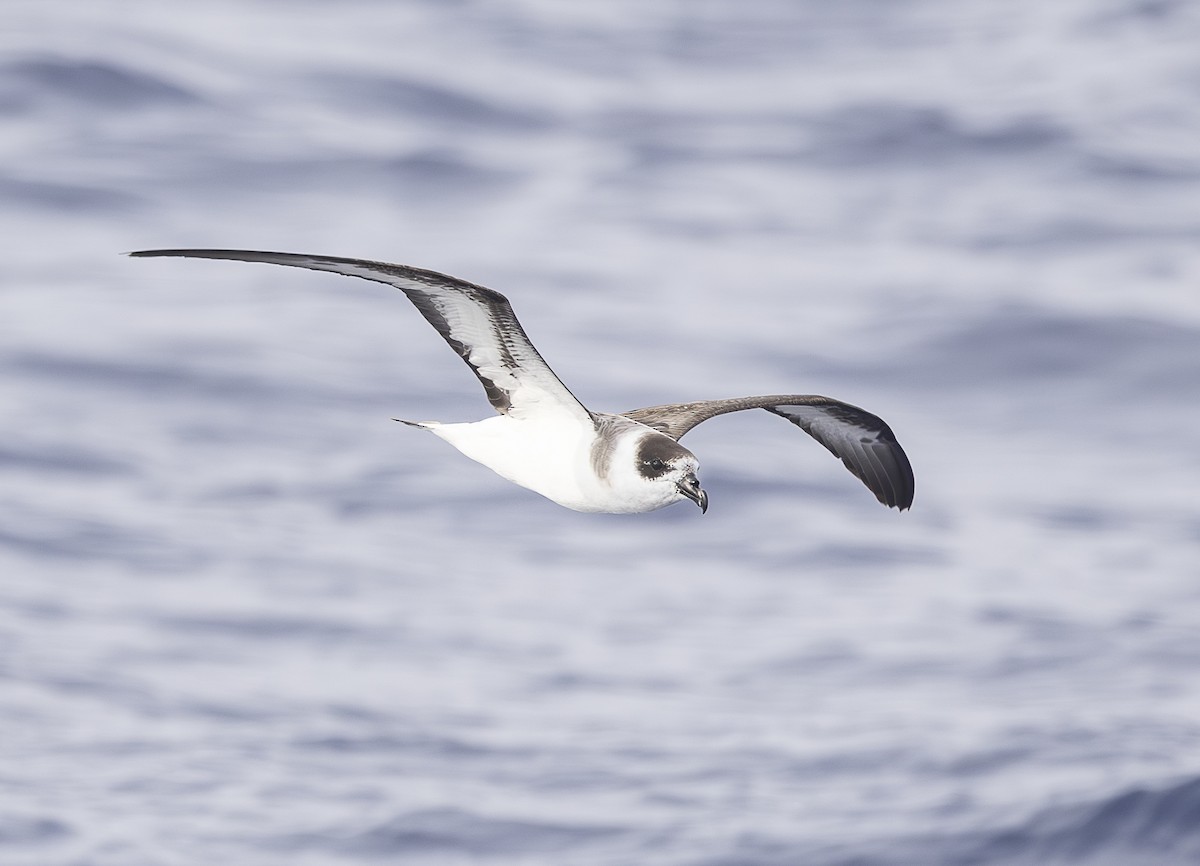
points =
(246, 617)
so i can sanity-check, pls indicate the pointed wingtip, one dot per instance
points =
(902, 477)
(145, 254)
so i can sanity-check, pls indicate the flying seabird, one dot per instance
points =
(544, 439)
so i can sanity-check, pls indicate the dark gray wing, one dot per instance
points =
(863, 441)
(478, 323)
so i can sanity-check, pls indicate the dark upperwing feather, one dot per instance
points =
(863, 441)
(478, 323)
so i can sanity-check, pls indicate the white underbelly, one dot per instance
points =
(550, 458)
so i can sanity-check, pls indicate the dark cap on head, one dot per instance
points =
(656, 453)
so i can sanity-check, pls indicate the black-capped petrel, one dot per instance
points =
(547, 441)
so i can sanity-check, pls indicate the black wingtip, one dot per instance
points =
(900, 483)
(900, 479)
(193, 254)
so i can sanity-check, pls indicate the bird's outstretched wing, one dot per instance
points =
(478, 323)
(863, 441)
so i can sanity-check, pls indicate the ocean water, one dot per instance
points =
(246, 618)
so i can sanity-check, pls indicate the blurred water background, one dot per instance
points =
(246, 618)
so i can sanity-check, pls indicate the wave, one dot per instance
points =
(447, 831)
(89, 83)
(1024, 347)
(1159, 827)
(1142, 826)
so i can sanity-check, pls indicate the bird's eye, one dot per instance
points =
(656, 464)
